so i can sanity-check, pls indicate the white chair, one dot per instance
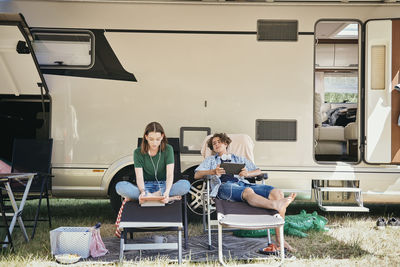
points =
(239, 215)
(329, 140)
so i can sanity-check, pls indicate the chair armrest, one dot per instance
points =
(261, 177)
(204, 178)
(44, 174)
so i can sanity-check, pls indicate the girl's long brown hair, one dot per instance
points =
(153, 127)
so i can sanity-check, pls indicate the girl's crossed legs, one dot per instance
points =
(128, 190)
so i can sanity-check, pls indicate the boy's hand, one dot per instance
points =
(219, 171)
(244, 173)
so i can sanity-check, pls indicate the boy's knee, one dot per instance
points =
(247, 193)
(276, 194)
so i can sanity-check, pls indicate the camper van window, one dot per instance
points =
(341, 87)
(64, 49)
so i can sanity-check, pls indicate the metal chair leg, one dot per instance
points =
(282, 243)
(3, 214)
(48, 203)
(209, 215)
(122, 246)
(38, 208)
(185, 221)
(220, 252)
(179, 246)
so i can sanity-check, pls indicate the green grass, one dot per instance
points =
(351, 241)
(65, 212)
(341, 97)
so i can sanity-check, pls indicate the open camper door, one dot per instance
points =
(19, 71)
(382, 100)
(24, 99)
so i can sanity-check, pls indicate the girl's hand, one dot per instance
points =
(166, 197)
(219, 171)
(244, 173)
(142, 194)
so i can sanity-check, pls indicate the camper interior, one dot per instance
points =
(336, 90)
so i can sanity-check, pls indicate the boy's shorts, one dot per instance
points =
(233, 191)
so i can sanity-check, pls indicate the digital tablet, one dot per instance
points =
(232, 168)
(151, 201)
(151, 198)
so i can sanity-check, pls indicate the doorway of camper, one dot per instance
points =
(24, 116)
(336, 91)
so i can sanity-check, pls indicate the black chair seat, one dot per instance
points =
(240, 208)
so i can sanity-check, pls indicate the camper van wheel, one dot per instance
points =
(115, 199)
(195, 197)
(125, 174)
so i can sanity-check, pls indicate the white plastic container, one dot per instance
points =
(71, 240)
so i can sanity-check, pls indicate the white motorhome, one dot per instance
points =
(312, 83)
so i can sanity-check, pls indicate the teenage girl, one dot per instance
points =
(154, 168)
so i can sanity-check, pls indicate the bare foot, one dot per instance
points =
(175, 198)
(284, 202)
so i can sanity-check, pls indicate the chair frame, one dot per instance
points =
(131, 227)
(44, 187)
(234, 221)
(207, 223)
(234, 226)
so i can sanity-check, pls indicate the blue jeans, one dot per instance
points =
(233, 190)
(128, 190)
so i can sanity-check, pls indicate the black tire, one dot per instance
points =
(115, 199)
(125, 174)
(195, 197)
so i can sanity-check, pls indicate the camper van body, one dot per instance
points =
(196, 65)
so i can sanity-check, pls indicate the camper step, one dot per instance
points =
(339, 189)
(344, 208)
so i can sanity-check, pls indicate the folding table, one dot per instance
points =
(5, 178)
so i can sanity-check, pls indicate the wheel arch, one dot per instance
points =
(118, 167)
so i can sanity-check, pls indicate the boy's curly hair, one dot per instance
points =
(222, 136)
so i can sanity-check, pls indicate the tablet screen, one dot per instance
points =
(232, 168)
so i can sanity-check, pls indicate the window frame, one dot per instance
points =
(36, 31)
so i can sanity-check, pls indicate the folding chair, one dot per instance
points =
(32, 155)
(171, 217)
(238, 215)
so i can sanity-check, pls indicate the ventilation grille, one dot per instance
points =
(276, 130)
(277, 30)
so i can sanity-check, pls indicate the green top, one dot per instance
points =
(143, 161)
